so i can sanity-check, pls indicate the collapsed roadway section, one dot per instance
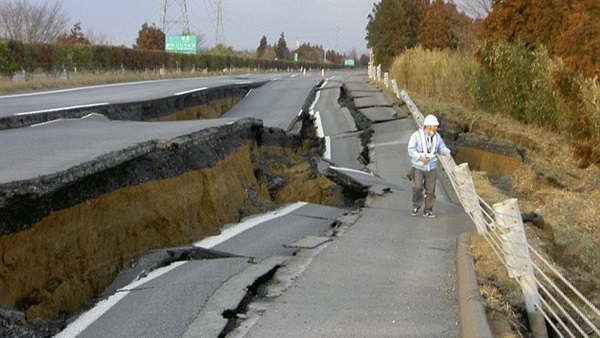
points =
(70, 222)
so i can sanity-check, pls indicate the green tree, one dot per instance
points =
(364, 60)
(8, 62)
(567, 28)
(334, 57)
(306, 52)
(150, 38)
(393, 27)
(75, 37)
(579, 43)
(435, 30)
(262, 48)
(221, 49)
(444, 27)
(281, 49)
(532, 22)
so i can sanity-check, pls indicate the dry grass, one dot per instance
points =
(434, 73)
(42, 81)
(520, 87)
(550, 181)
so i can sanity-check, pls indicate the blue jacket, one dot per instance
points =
(416, 152)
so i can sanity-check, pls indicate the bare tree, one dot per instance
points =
(20, 20)
(475, 8)
(96, 38)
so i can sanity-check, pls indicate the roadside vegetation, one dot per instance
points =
(40, 81)
(526, 73)
(38, 50)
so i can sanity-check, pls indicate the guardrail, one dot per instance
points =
(550, 298)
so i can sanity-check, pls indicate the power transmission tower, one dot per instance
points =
(216, 8)
(174, 13)
(337, 36)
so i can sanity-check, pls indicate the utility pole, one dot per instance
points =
(174, 13)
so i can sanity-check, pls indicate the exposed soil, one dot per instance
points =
(211, 102)
(53, 267)
(51, 270)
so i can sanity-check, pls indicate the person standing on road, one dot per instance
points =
(424, 146)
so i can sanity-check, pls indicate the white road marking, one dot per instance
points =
(191, 91)
(89, 317)
(327, 152)
(249, 223)
(78, 88)
(352, 170)
(316, 116)
(63, 108)
(317, 97)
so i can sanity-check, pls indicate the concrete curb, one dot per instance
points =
(473, 320)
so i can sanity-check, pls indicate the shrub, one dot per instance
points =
(510, 79)
(59, 57)
(8, 62)
(506, 79)
(101, 56)
(81, 57)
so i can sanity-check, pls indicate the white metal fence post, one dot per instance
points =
(417, 115)
(386, 79)
(468, 196)
(514, 245)
(379, 73)
(395, 88)
(507, 225)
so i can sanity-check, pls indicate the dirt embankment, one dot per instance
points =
(207, 103)
(70, 256)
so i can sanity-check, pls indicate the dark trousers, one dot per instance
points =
(424, 181)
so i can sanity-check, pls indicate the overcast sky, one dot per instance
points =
(333, 24)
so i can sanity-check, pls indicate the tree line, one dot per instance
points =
(535, 61)
(34, 37)
(569, 29)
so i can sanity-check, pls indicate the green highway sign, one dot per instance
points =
(349, 62)
(180, 44)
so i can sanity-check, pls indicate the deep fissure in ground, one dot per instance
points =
(254, 291)
(258, 289)
(271, 168)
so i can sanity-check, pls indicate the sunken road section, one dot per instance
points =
(149, 110)
(66, 235)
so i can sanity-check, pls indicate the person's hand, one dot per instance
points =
(448, 157)
(425, 159)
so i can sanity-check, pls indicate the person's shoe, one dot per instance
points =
(415, 211)
(429, 214)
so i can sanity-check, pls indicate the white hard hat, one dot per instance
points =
(431, 120)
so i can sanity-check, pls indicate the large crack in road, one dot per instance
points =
(66, 237)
